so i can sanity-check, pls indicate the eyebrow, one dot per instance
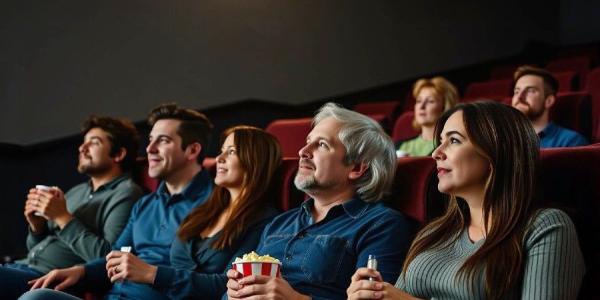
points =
(449, 133)
(161, 136)
(94, 137)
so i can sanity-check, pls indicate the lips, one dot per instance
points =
(152, 161)
(442, 171)
(306, 164)
(221, 170)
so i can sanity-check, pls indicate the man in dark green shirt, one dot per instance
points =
(79, 226)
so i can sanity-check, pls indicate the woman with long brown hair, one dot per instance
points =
(491, 243)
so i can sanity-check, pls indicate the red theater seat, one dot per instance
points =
(569, 178)
(489, 89)
(566, 81)
(580, 64)
(412, 185)
(388, 109)
(291, 134)
(593, 87)
(290, 196)
(573, 110)
(504, 71)
(403, 129)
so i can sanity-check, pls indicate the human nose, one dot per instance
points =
(220, 158)
(304, 152)
(438, 153)
(151, 147)
(83, 147)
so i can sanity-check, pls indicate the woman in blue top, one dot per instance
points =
(227, 225)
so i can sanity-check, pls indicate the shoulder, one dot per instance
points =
(568, 138)
(549, 222)
(379, 217)
(407, 141)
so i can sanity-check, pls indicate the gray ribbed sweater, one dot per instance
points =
(553, 267)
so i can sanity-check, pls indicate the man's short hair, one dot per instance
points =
(194, 128)
(550, 82)
(365, 142)
(121, 134)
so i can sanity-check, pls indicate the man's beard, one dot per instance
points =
(90, 168)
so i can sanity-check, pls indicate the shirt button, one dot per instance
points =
(289, 257)
(91, 196)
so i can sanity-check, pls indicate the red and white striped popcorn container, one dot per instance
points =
(272, 269)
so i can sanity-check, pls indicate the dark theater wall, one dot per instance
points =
(62, 60)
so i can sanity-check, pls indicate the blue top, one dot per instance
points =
(151, 229)
(557, 136)
(318, 259)
(198, 271)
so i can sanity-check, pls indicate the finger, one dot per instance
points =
(113, 254)
(63, 285)
(46, 282)
(251, 290)
(232, 284)
(254, 279)
(233, 274)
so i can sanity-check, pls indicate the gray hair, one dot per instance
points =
(365, 142)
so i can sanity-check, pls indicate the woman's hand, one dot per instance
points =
(362, 288)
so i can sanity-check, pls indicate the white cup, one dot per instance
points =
(41, 187)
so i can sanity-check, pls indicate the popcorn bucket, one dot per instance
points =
(271, 269)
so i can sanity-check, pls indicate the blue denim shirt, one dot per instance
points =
(151, 230)
(318, 259)
(556, 136)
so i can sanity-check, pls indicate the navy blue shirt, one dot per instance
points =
(150, 232)
(556, 136)
(318, 259)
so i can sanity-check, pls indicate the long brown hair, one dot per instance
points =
(260, 157)
(506, 138)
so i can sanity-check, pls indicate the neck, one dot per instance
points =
(234, 194)
(427, 132)
(475, 202)
(179, 180)
(104, 178)
(540, 123)
(323, 203)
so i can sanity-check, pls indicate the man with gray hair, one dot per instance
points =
(346, 166)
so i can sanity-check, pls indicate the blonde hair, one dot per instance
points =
(442, 87)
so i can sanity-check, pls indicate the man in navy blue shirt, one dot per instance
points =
(346, 166)
(534, 94)
(175, 154)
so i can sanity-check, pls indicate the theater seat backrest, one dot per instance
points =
(567, 81)
(580, 65)
(291, 134)
(569, 178)
(387, 108)
(573, 110)
(403, 127)
(492, 88)
(411, 186)
(592, 86)
(290, 196)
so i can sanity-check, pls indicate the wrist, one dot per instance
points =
(151, 274)
(63, 220)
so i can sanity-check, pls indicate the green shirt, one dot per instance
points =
(417, 146)
(553, 265)
(99, 218)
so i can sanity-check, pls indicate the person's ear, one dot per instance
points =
(357, 171)
(193, 151)
(549, 102)
(120, 156)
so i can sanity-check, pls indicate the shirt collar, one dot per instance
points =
(549, 130)
(199, 184)
(354, 207)
(111, 184)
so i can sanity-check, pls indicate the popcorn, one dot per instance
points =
(254, 257)
(254, 264)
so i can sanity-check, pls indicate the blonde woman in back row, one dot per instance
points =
(432, 98)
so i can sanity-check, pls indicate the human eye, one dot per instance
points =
(323, 145)
(231, 152)
(454, 140)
